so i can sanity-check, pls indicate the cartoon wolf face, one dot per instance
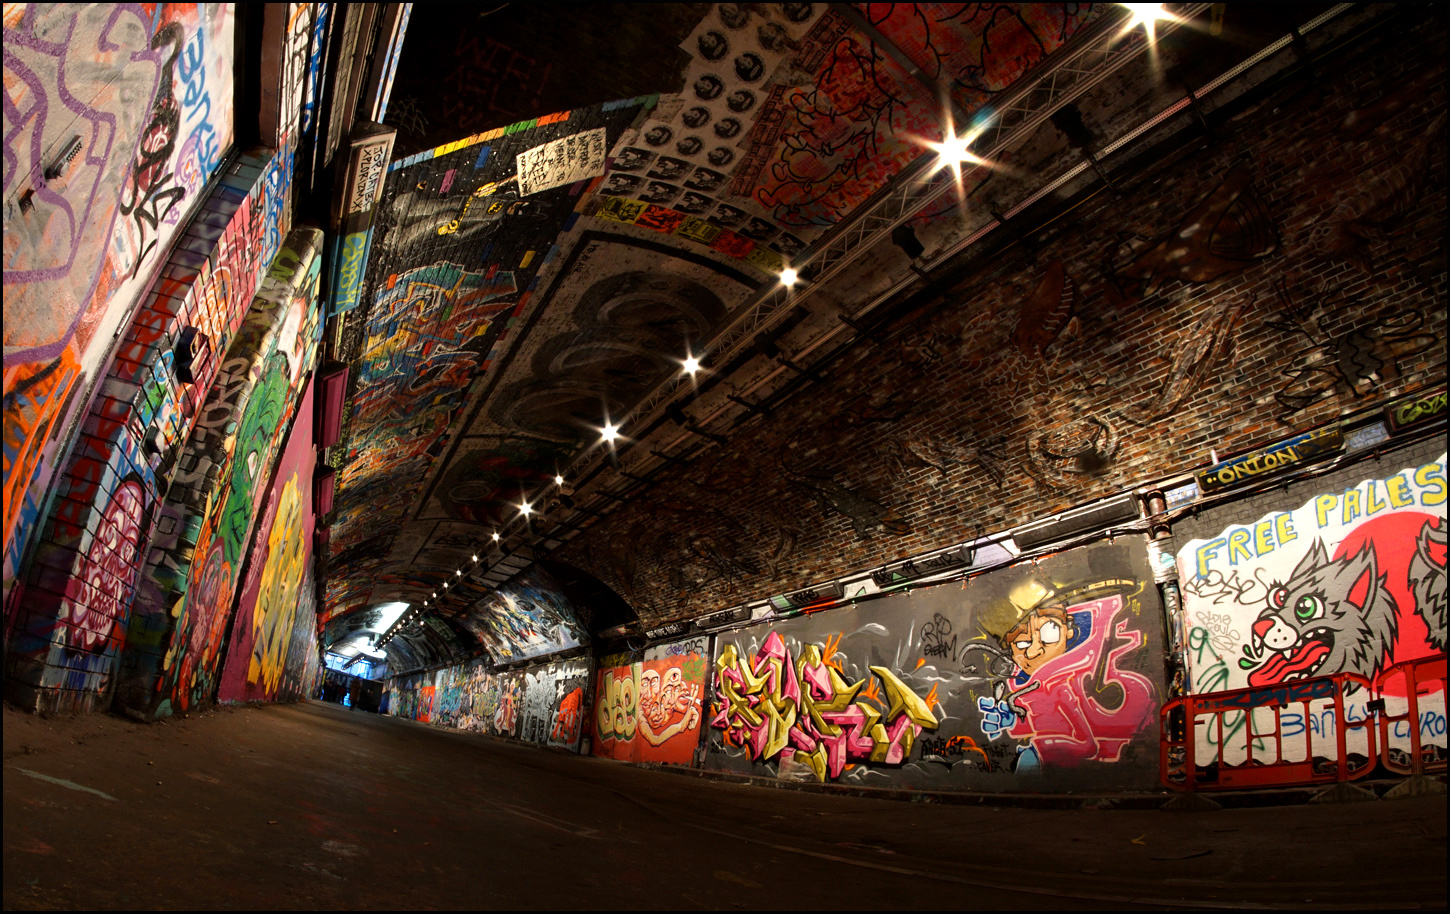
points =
(1427, 581)
(1331, 616)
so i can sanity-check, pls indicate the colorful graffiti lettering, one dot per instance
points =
(95, 167)
(803, 709)
(279, 560)
(1350, 582)
(215, 493)
(568, 718)
(527, 618)
(650, 710)
(273, 618)
(111, 564)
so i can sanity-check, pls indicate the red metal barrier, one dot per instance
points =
(1231, 730)
(1411, 679)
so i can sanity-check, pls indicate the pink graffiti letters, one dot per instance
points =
(803, 710)
(111, 569)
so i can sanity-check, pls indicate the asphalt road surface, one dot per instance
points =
(318, 806)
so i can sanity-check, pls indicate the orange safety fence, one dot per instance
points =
(1266, 737)
(1301, 733)
(1409, 683)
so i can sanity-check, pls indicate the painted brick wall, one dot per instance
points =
(90, 209)
(194, 557)
(72, 616)
(1117, 356)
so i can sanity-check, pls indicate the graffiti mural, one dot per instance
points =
(183, 605)
(102, 154)
(270, 599)
(301, 674)
(1058, 698)
(1352, 581)
(821, 145)
(547, 704)
(1049, 672)
(458, 250)
(137, 429)
(553, 704)
(649, 710)
(526, 618)
(801, 710)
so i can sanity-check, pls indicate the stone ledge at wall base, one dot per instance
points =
(1388, 789)
(1385, 788)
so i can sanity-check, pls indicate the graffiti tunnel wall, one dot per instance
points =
(1344, 573)
(545, 704)
(1044, 675)
(1041, 676)
(161, 323)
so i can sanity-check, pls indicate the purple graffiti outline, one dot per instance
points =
(24, 36)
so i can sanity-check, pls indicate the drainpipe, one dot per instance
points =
(1161, 552)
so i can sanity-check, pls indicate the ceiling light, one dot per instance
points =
(788, 277)
(495, 536)
(459, 572)
(558, 480)
(610, 432)
(526, 509)
(953, 150)
(691, 365)
(475, 558)
(1146, 15)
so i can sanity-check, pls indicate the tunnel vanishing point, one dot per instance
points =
(1010, 407)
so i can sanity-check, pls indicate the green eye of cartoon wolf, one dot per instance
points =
(1308, 607)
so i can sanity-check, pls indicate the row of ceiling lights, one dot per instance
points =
(952, 152)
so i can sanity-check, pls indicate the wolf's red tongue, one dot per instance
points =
(1282, 666)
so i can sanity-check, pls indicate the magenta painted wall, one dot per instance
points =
(273, 591)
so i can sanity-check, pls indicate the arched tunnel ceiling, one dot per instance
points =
(572, 241)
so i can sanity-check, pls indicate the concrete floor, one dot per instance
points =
(318, 806)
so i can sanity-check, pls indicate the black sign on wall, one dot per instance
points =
(1416, 409)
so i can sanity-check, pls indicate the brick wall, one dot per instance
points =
(1117, 356)
(194, 556)
(72, 617)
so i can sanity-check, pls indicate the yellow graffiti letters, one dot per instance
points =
(1351, 506)
(1238, 546)
(617, 707)
(1207, 553)
(1284, 527)
(1399, 489)
(1431, 478)
(1264, 536)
